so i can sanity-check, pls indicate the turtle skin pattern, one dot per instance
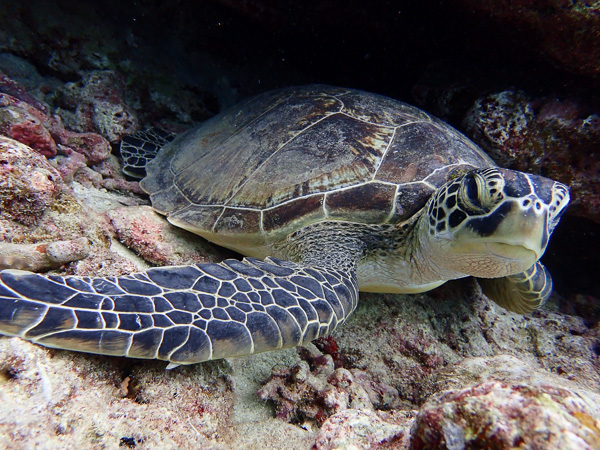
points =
(522, 292)
(180, 314)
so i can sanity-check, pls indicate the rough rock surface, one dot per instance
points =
(95, 104)
(558, 138)
(157, 241)
(29, 184)
(43, 225)
(565, 33)
(25, 123)
(313, 390)
(353, 428)
(74, 401)
(499, 415)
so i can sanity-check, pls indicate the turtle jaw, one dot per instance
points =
(478, 258)
(512, 252)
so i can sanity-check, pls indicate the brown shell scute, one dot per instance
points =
(418, 150)
(239, 146)
(293, 157)
(368, 203)
(301, 211)
(332, 154)
(380, 110)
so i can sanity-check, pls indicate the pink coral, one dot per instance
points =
(28, 125)
(24, 123)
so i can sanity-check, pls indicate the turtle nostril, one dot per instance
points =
(526, 203)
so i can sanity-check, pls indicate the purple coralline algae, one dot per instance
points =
(313, 390)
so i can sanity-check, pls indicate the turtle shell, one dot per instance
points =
(296, 156)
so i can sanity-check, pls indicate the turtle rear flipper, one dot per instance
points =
(139, 148)
(182, 314)
(522, 292)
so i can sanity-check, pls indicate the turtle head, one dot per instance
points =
(494, 222)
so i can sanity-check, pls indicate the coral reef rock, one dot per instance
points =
(157, 241)
(558, 138)
(314, 390)
(73, 401)
(96, 104)
(565, 33)
(501, 415)
(29, 185)
(359, 429)
(26, 124)
(46, 134)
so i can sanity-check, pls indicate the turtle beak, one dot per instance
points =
(530, 219)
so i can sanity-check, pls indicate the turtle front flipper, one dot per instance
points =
(522, 292)
(183, 314)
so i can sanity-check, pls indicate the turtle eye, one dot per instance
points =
(472, 190)
(470, 193)
(480, 192)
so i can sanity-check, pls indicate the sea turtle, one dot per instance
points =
(337, 190)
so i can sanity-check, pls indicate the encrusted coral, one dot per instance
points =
(28, 183)
(96, 104)
(353, 428)
(26, 124)
(501, 415)
(46, 134)
(314, 389)
(42, 225)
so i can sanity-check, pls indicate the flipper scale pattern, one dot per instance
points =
(183, 314)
